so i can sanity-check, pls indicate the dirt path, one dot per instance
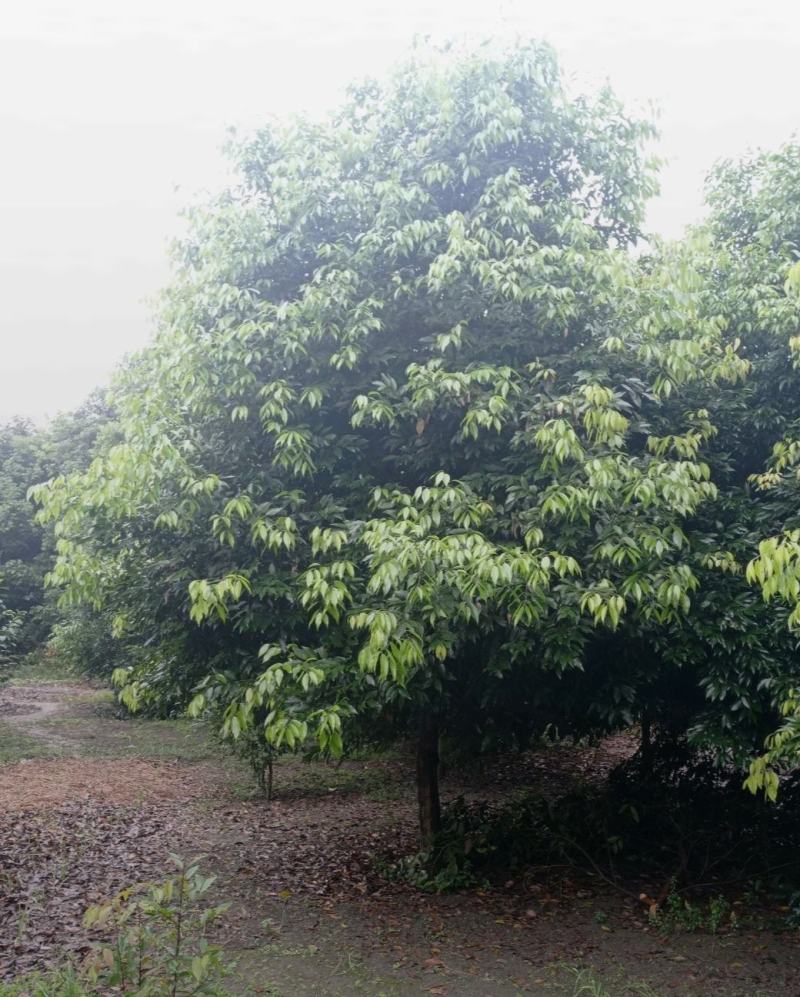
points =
(77, 749)
(93, 802)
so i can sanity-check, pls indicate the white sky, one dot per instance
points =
(112, 113)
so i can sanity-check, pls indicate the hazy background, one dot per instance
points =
(112, 113)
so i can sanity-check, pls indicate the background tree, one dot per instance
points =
(28, 456)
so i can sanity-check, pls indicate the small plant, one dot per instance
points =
(586, 984)
(719, 911)
(680, 914)
(259, 754)
(424, 872)
(161, 946)
(463, 845)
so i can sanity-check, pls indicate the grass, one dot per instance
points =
(586, 983)
(297, 970)
(16, 745)
(41, 669)
(161, 740)
(60, 983)
(316, 778)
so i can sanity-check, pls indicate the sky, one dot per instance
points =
(113, 113)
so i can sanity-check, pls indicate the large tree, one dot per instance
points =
(417, 427)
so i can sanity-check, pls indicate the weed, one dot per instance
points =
(61, 983)
(161, 945)
(586, 983)
(680, 914)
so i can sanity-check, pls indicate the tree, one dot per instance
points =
(415, 421)
(28, 456)
(755, 224)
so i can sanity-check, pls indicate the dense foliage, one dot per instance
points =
(28, 456)
(756, 221)
(421, 445)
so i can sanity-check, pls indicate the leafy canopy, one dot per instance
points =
(416, 420)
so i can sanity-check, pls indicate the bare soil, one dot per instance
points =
(103, 801)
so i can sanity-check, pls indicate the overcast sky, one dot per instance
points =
(112, 113)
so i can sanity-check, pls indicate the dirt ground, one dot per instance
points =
(90, 802)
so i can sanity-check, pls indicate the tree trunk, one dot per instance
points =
(265, 780)
(430, 813)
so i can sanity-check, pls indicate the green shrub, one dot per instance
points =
(680, 914)
(158, 948)
(161, 945)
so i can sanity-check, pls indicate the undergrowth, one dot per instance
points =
(676, 826)
(678, 913)
(157, 945)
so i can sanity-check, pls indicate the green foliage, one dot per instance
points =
(420, 436)
(755, 222)
(22, 559)
(84, 643)
(160, 945)
(680, 914)
(29, 456)
(412, 412)
(11, 623)
(60, 983)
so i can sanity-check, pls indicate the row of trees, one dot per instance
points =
(421, 445)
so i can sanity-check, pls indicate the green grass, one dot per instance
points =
(293, 776)
(161, 740)
(293, 970)
(16, 745)
(61, 983)
(101, 701)
(41, 670)
(586, 983)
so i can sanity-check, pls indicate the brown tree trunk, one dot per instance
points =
(265, 780)
(430, 812)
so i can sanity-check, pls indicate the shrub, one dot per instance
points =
(160, 945)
